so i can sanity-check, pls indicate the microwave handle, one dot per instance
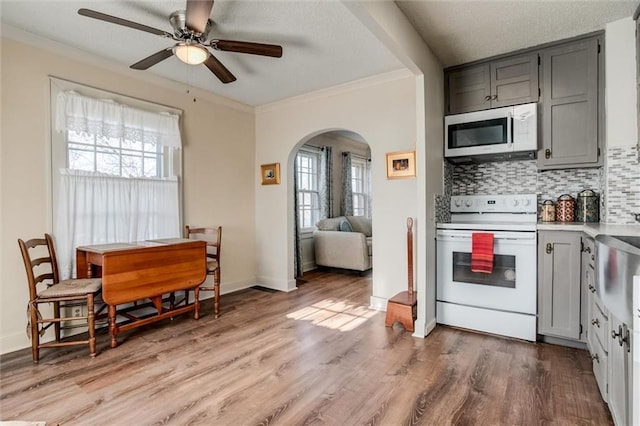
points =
(509, 130)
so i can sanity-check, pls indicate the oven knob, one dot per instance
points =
(514, 203)
(526, 202)
(468, 203)
(458, 203)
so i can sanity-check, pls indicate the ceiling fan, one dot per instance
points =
(191, 31)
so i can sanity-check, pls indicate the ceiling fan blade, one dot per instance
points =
(198, 12)
(247, 47)
(216, 67)
(115, 20)
(150, 61)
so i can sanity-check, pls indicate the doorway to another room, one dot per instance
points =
(332, 203)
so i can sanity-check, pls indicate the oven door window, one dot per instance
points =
(478, 133)
(504, 271)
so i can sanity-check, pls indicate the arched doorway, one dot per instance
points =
(331, 175)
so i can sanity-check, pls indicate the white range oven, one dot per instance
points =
(504, 301)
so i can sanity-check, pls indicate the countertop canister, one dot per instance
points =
(565, 210)
(548, 211)
(588, 206)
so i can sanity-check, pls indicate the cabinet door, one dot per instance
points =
(570, 105)
(514, 80)
(469, 89)
(619, 375)
(559, 284)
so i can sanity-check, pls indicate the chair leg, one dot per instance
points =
(35, 335)
(92, 326)
(56, 325)
(216, 293)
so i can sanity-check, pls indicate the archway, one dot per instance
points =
(317, 192)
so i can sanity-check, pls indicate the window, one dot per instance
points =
(113, 156)
(307, 175)
(116, 167)
(360, 186)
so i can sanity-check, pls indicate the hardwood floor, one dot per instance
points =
(317, 355)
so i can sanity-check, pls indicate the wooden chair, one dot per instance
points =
(213, 237)
(41, 265)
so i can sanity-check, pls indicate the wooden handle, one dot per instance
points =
(410, 255)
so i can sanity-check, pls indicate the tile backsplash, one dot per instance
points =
(623, 184)
(617, 184)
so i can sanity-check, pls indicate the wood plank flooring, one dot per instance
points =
(317, 355)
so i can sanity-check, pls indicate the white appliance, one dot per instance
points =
(503, 302)
(499, 133)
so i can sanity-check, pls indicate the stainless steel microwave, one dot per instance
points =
(499, 133)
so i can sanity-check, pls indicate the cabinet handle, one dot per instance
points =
(547, 153)
(596, 322)
(595, 358)
(592, 289)
(487, 98)
(588, 249)
(618, 335)
(549, 248)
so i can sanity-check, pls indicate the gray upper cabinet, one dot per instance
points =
(570, 105)
(559, 284)
(509, 81)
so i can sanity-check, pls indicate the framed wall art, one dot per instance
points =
(270, 174)
(401, 165)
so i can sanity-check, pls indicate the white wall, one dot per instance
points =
(620, 82)
(383, 112)
(392, 27)
(218, 165)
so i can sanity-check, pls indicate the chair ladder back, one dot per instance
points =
(31, 265)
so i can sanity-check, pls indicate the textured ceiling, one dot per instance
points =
(324, 44)
(464, 31)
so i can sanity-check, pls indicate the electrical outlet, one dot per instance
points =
(637, 216)
(77, 311)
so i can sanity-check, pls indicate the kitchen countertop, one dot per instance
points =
(590, 228)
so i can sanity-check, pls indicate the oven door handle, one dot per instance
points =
(466, 236)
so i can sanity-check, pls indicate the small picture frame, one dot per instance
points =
(270, 174)
(401, 165)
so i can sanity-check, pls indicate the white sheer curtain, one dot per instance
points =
(98, 208)
(104, 117)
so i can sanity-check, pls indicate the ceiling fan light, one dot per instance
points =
(191, 54)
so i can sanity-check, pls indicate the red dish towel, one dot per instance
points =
(482, 252)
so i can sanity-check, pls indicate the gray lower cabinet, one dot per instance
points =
(504, 82)
(620, 365)
(559, 284)
(571, 107)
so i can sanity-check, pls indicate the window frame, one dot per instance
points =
(57, 148)
(315, 193)
(361, 163)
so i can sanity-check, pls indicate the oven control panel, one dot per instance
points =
(517, 203)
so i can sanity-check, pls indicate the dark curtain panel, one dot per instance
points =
(326, 183)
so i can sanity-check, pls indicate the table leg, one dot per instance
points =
(196, 302)
(83, 268)
(113, 328)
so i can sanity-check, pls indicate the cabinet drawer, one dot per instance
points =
(598, 323)
(600, 368)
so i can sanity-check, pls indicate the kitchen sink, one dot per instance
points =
(634, 241)
(618, 261)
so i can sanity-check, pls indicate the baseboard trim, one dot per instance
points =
(378, 303)
(276, 284)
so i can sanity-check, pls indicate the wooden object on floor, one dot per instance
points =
(402, 307)
(145, 270)
(213, 237)
(295, 358)
(41, 265)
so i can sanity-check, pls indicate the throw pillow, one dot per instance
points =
(360, 224)
(345, 226)
(331, 224)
